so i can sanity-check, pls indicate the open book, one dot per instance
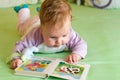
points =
(45, 67)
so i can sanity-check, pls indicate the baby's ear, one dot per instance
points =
(41, 30)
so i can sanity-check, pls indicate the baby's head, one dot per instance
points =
(55, 17)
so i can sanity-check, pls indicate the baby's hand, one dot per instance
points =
(15, 63)
(72, 58)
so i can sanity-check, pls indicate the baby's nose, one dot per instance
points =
(58, 42)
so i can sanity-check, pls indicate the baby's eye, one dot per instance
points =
(64, 35)
(53, 37)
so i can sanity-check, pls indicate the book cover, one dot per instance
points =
(45, 67)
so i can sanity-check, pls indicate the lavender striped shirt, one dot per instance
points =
(33, 38)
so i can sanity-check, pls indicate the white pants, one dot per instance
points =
(25, 22)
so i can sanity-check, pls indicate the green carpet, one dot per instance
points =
(100, 28)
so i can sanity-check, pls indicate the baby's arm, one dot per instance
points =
(28, 41)
(78, 47)
(27, 54)
(15, 58)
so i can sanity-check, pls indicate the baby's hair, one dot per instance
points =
(54, 12)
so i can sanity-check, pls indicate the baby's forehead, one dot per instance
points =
(57, 31)
(59, 24)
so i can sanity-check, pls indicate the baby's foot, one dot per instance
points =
(17, 8)
(38, 9)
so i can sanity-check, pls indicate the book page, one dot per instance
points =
(34, 67)
(71, 71)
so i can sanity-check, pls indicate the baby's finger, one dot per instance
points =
(13, 65)
(18, 62)
(74, 58)
(70, 59)
(66, 59)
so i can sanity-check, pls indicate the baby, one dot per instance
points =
(49, 32)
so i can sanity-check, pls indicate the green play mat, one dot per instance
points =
(99, 27)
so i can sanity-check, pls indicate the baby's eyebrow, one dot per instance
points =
(65, 34)
(53, 37)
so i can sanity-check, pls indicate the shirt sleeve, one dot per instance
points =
(77, 44)
(31, 39)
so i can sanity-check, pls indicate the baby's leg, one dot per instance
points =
(23, 18)
(25, 23)
(30, 24)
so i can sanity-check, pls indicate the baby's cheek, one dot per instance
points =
(66, 40)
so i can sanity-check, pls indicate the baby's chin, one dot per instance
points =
(54, 46)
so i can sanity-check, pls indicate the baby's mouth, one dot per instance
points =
(56, 45)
